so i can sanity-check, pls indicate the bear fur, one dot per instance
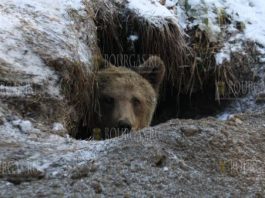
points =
(127, 98)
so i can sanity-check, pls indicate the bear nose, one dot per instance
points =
(124, 125)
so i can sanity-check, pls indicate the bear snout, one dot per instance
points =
(124, 125)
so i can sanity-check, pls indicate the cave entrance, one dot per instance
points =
(200, 104)
(122, 43)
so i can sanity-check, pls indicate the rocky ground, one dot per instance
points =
(184, 158)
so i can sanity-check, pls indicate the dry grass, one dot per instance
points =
(115, 23)
(78, 86)
(190, 62)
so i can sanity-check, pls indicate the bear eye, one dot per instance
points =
(108, 100)
(136, 101)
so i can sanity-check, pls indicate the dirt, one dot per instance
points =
(179, 158)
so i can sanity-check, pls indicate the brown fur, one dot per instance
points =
(128, 96)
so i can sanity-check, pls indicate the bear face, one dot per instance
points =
(127, 98)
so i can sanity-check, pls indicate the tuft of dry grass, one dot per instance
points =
(115, 23)
(78, 86)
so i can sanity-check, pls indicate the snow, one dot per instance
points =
(149, 8)
(133, 38)
(27, 27)
(47, 5)
(250, 12)
(152, 11)
(224, 116)
(170, 3)
(50, 149)
(24, 125)
(222, 57)
(57, 127)
(15, 91)
(182, 17)
(166, 169)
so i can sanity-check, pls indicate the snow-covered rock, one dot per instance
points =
(208, 13)
(35, 37)
(24, 125)
(152, 11)
(31, 31)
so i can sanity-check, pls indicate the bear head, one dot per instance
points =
(127, 98)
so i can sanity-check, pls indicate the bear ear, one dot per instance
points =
(100, 63)
(153, 70)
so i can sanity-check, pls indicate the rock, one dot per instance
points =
(260, 98)
(238, 121)
(165, 169)
(235, 120)
(58, 129)
(251, 4)
(33, 137)
(190, 130)
(83, 171)
(183, 165)
(39, 41)
(163, 2)
(97, 187)
(24, 125)
(160, 160)
(17, 173)
(1, 121)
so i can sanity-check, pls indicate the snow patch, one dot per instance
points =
(152, 11)
(50, 151)
(206, 14)
(57, 127)
(133, 38)
(48, 24)
(24, 125)
(170, 3)
(15, 91)
(182, 17)
(252, 13)
(222, 57)
(166, 169)
(225, 116)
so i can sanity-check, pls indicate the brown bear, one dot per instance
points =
(127, 98)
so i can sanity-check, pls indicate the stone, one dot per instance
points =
(190, 130)
(1, 121)
(260, 98)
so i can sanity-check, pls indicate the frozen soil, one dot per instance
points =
(179, 158)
